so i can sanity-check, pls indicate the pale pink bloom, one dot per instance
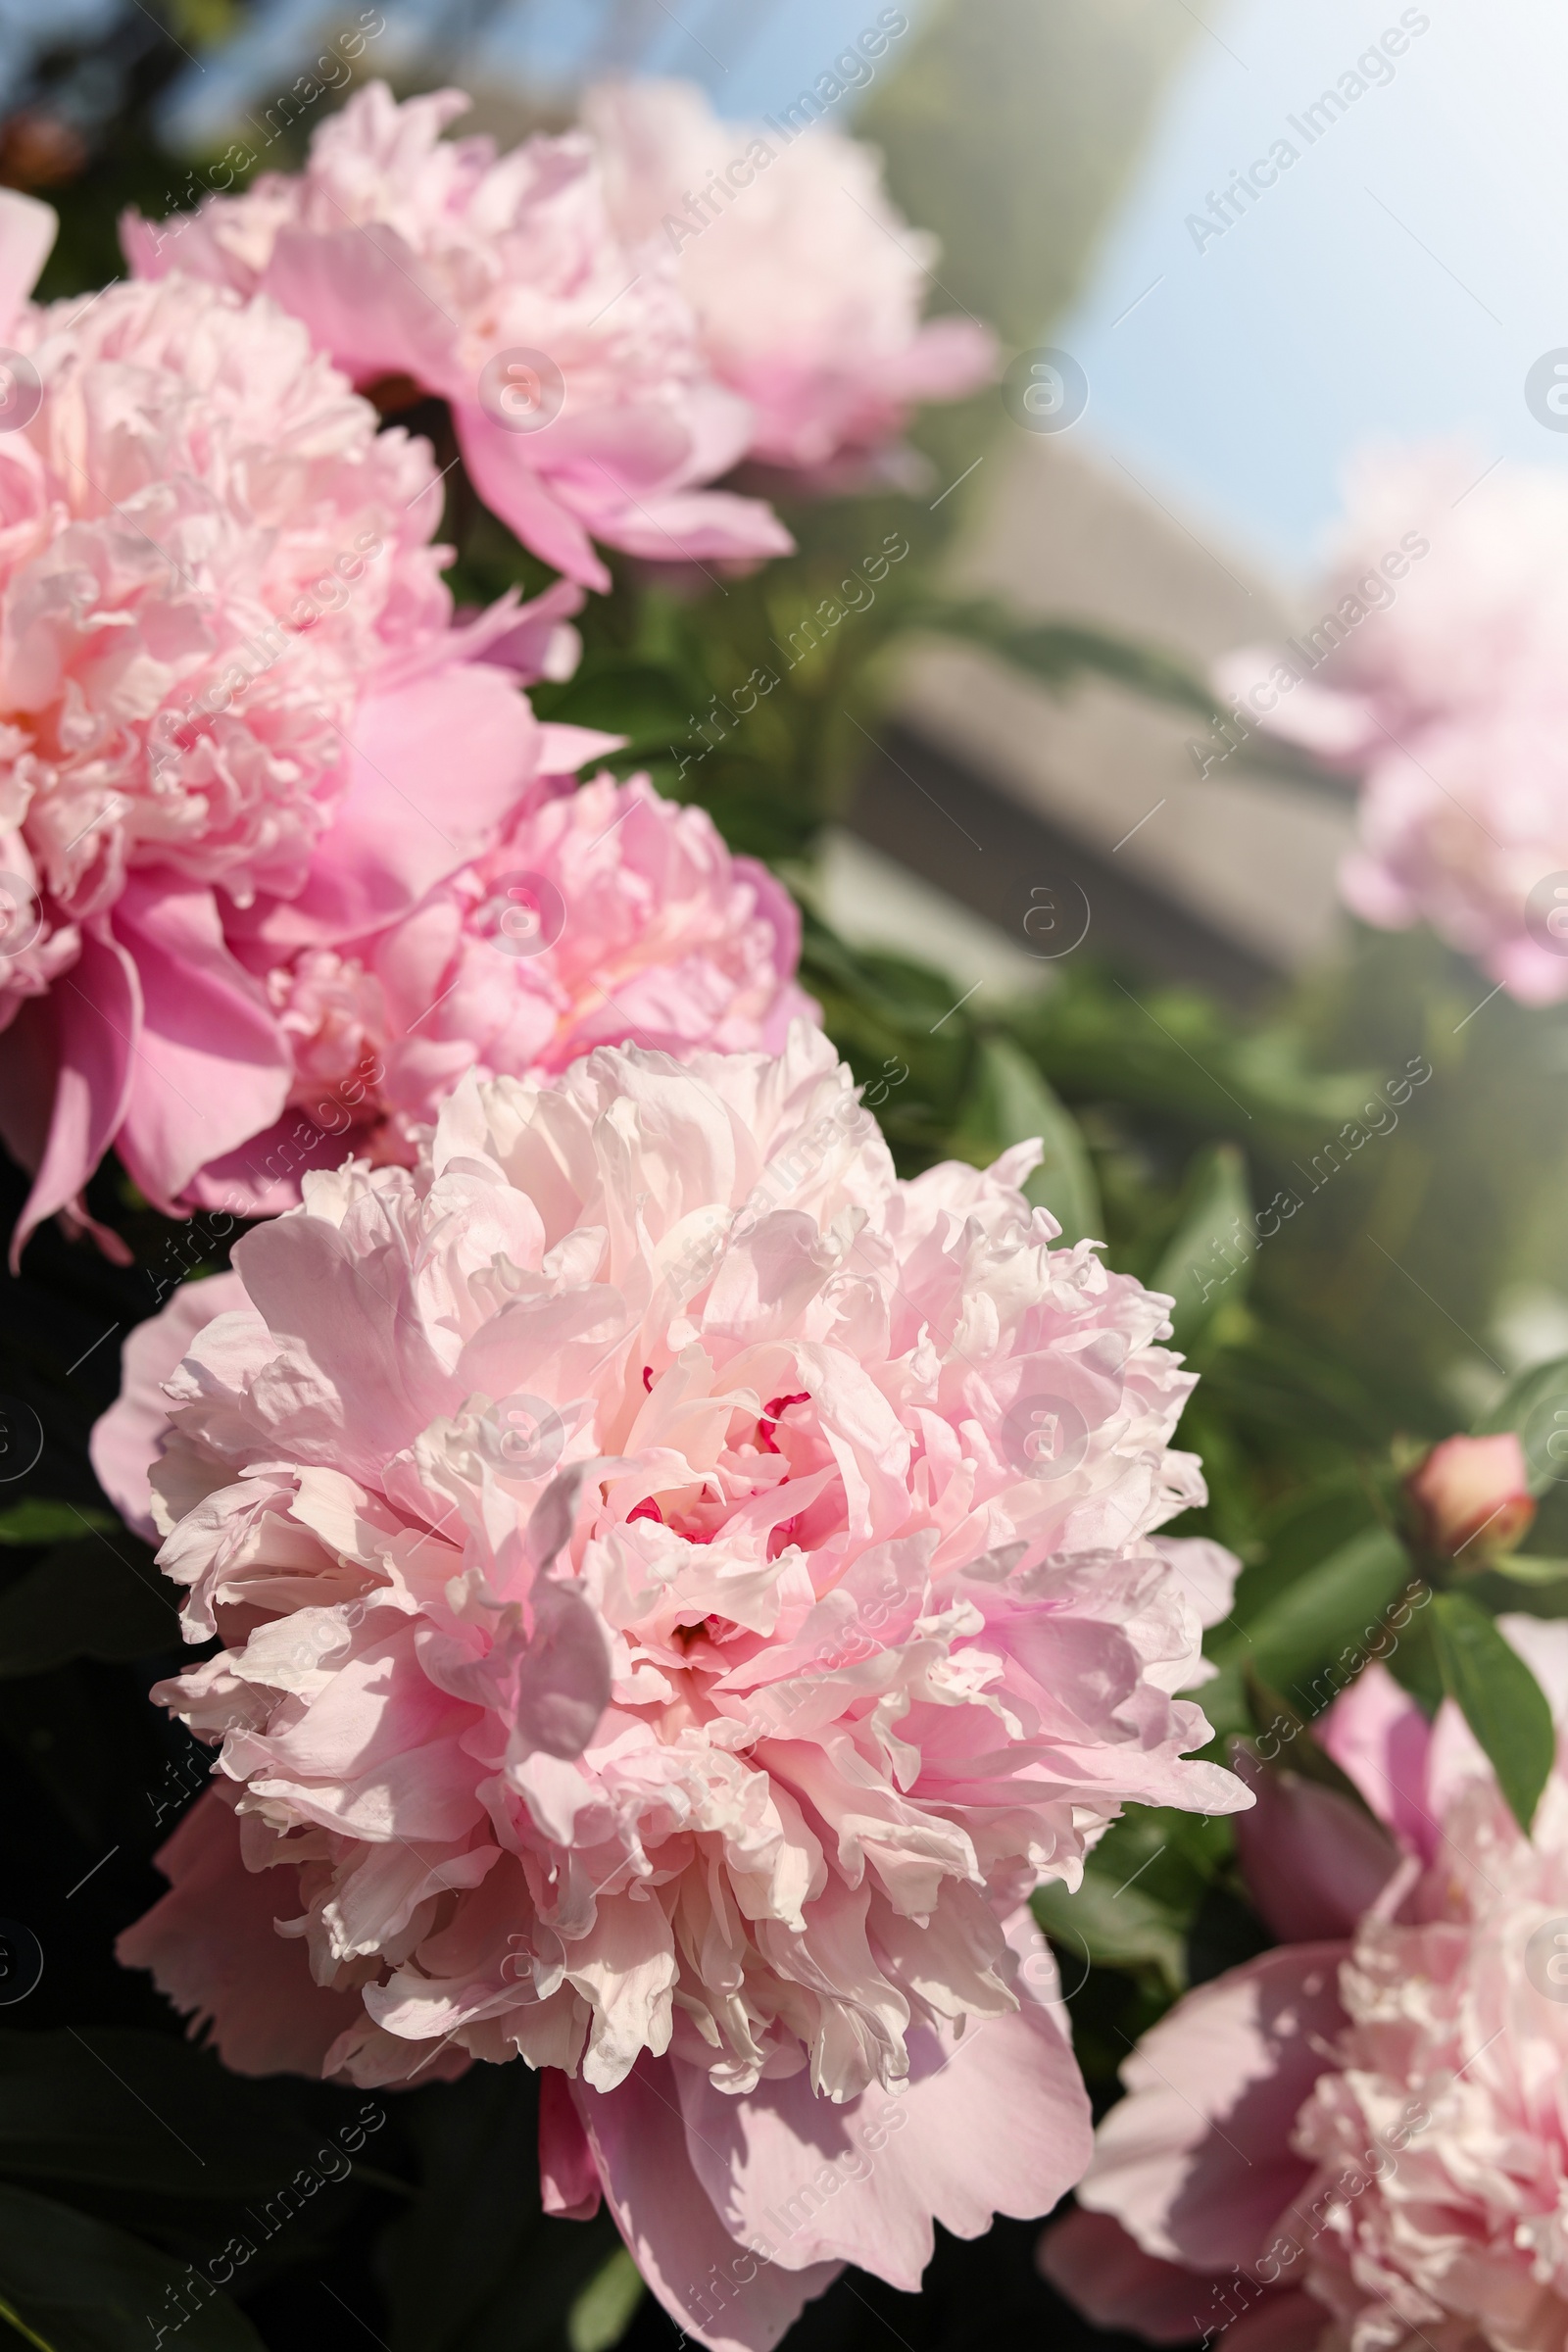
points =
(680, 1588)
(1436, 672)
(411, 256)
(808, 282)
(231, 686)
(1473, 1496)
(1358, 2143)
(601, 916)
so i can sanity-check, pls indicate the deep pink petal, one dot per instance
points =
(691, 526)
(403, 825)
(96, 1014)
(1313, 1862)
(569, 2178)
(262, 1178)
(511, 486)
(367, 299)
(211, 1065)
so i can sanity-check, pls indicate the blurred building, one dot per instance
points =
(990, 781)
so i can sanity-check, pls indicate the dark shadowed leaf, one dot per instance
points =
(78, 2285)
(475, 2266)
(116, 2107)
(98, 1597)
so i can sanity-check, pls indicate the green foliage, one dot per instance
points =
(71, 2283)
(100, 1597)
(37, 1521)
(475, 2265)
(1009, 1102)
(1500, 1697)
(1536, 1408)
(603, 2312)
(1211, 1249)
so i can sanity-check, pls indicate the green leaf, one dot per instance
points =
(649, 706)
(1011, 1102)
(98, 1597)
(1206, 1262)
(1060, 653)
(1315, 1638)
(1114, 1927)
(1499, 1699)
(80, 2285)
(603, 2312)
(119, 2107)
(1535, 1407)
(36, 1521)
(1142, 1887)
(1298, 1533)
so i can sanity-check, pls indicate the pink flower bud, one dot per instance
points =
(1473, 1497)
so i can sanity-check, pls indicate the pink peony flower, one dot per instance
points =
(1434, 673)
(680, 1588)
(433, 261)
(807, 282)
(231, 687)
(1358, 2143)
(1473, 1496)
(602, 915)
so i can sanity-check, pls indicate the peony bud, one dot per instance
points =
(1473, 1497)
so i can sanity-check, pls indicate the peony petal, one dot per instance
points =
(1090, 2258)
(995, 2121)
(212, 1066)
(366, 297)
(569, 2178)
(27, 232)
(1196, 2161)
(128, 1438)
(1313, 1861)
(95, 1012)
(215, 1951)
(718, 2291)
(400, 827)
(512, 488)
(1380, 1739)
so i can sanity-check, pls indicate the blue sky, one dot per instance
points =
(1399, 279)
